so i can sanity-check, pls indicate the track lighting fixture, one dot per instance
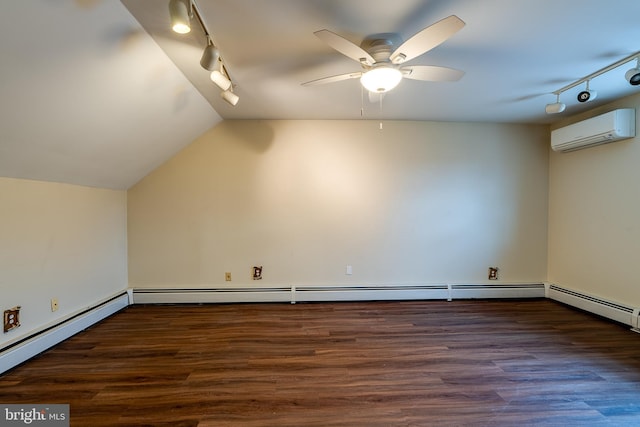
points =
(230, 97)
(556, 107)
(181, 12)
(218, 77)
(633, 75)
(210, 57)
(587, 94)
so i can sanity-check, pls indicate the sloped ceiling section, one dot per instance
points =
(88, 97)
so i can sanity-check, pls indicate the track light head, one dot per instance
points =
(180, 10)
(556, 107)
(230, 97)
(633, 76)
(220, 80)
(587, 94)
(210, 58)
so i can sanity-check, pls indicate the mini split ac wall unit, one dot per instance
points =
(609, 127)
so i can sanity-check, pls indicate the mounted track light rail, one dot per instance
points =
(181, 13)
(632, 76)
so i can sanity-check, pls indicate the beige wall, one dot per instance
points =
(58, 241)
(415, 202)
(594, 211)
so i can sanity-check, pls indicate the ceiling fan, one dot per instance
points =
(382, 62)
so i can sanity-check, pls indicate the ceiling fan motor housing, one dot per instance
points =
(380, 46)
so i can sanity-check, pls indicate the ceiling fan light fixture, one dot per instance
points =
(381, 79)
(220, 80)
(179, 10)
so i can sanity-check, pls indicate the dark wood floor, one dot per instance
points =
(429, 363)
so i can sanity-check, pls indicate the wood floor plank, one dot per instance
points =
(404, 363)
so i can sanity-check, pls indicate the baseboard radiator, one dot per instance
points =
(24, 349)
(18, 352)
(295, 294)
(611, 310)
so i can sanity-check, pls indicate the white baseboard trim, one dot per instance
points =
(295, 294)
(30, 346)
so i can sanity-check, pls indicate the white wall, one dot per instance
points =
(58, 241)
(416, 202)
(594, 212)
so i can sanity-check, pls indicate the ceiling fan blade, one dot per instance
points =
(432, 73)
(333, 79)
(345, 47)
(427, 39)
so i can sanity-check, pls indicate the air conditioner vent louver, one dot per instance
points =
(609, 127)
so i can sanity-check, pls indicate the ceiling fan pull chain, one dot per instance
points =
(381, 110)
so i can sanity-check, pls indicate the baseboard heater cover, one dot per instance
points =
(478, 291)
(369, 293)
(295, 294)
(210, 295)
(30, 346)
(611, 310)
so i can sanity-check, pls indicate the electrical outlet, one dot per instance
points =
(11, 318)
(54, 304)
(227, 277)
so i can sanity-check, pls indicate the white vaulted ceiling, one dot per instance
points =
(100, 92)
